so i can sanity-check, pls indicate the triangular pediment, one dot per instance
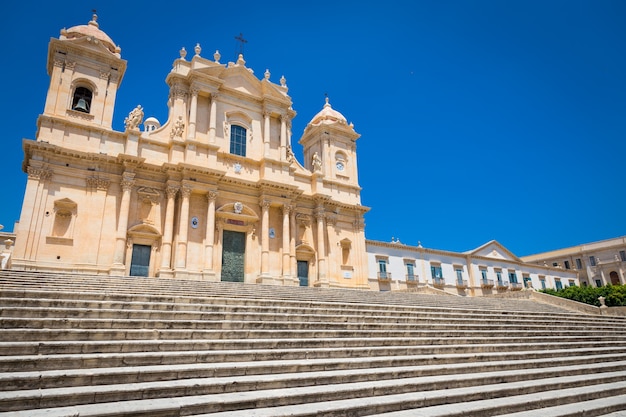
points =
(240, 79)
(494, 250)
(272, 90)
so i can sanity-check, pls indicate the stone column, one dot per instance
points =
(321, 258)
(286, 242)
(292, 244)
(210, 232)
(128, 180)
(265, 239)
(193, 110)
(181, 253)
(168, 231)
(213, 118)
(283, 137)
(266, 133)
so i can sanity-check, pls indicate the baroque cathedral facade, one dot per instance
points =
(213, 193)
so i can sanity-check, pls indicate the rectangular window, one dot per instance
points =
(435, 271)
(527, 281)
(499, 276)
(572, 283)
(237, 140)
(566, 263)
(622, 255)
(543, 283)
(410, 272)
(459, 275)
(512, 277)
(579, 263)
(555, 264)
(598, 283)
(382, 268)
(558, 284)
(592, 260)
(483, 274)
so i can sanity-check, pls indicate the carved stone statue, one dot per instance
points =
(317, 162)
(177, 130)
(134, 119)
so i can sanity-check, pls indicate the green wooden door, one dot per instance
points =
(233, 254)
(303, 273)
(140, 261)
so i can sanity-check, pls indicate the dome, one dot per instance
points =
(91, 29)
(328, 115)
(151, 124)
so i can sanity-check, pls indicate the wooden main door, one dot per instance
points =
(303, 273)
(140, 260)
(233, 256)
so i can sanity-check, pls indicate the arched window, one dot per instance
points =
(237, 140)
(82, 99)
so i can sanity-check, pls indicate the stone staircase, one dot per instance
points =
(79, 345)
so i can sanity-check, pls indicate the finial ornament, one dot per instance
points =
(183, 53)
(240, 60)
(217, 56)
(197, 49)
(283, 81)
(94, 18)
(267, 74)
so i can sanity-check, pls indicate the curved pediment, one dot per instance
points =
(144, 230)
(305, 251)
(237, 211)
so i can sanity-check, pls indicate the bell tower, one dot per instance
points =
(85, 69)
(329, 145)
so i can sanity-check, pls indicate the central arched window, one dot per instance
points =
(238, 140)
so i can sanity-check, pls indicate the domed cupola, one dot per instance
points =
(327, 115)
(91, 30)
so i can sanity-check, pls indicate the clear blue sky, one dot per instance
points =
(480, 119)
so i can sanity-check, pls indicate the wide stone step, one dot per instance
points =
(298, 373)
(378, 357)
(59, 397)
(125, 285)
(26, 334)
(576, 402)
(38, 309)
(606, 407)
(294, 324)
(360, 398)
(248, 304)
(120, 346)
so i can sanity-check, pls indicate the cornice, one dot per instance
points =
(73, 49)
(341, 184)
(582, 249)
(281, 188)
(72, 123)
(402, 246)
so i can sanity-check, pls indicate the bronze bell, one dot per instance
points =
(82, 105)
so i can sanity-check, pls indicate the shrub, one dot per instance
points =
(615, 295)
